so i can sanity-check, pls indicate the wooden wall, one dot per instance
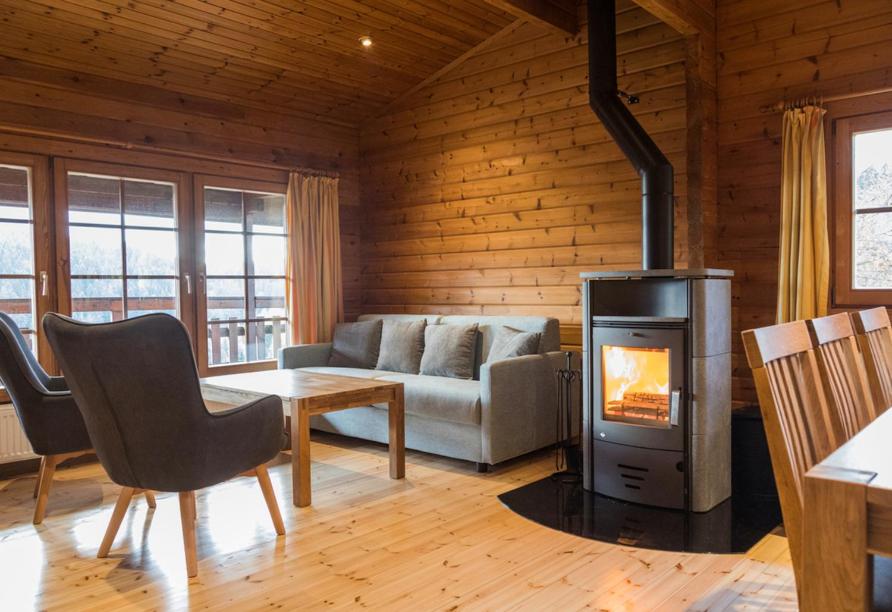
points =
(42, 100)
(489, 190)
(771, 51)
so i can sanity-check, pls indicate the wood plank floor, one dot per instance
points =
(439, 540)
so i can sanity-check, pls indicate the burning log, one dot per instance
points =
(641, 405)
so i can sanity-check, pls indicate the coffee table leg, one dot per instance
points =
(300, 455)
(397, 439)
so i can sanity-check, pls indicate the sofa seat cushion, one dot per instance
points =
(437, 397)
(354, 372)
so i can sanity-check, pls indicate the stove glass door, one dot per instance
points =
(636, 389)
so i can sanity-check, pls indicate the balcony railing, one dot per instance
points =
(255, 338)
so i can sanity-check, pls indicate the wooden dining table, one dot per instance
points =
(847, 517)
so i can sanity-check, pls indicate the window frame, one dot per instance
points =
(844, 129)
(43, 245)
(184, 227)
(200, 183)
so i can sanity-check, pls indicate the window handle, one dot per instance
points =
(188, 278)
(44, 283)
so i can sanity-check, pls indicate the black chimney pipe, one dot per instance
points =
(657, 200)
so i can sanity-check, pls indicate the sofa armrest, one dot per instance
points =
(519, 405)
(304, 355)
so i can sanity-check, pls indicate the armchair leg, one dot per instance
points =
(266, 486)
(115, 522)
(39, 474)
(44, 482)
(150, 499)
(187, 519)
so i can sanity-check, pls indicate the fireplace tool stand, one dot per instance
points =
(567, 458)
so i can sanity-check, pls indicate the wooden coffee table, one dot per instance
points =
(305, 394)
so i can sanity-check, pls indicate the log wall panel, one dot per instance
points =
(772, 51)
(489, 190)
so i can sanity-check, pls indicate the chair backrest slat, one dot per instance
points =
(842, 371)
(801, 424)
(874, 335)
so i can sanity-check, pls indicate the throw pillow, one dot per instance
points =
(355, 345)
(509, 342)
(449, 350)
(402, 343)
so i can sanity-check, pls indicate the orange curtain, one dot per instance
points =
(804, 262)
(315, 295)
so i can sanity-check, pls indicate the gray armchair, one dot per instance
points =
(136, 384)
(45, 408)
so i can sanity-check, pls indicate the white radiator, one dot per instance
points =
(13, 443)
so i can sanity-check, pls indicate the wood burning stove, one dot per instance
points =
(657, 401)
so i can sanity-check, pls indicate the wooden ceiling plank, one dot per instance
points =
(202, 40)
(308, 31)
(400, 15)
(330, 16)
(546, 12)
(683, 16)
(159, 63)
(31, 50)
(259, 43)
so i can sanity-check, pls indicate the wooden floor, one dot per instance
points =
(439, 540)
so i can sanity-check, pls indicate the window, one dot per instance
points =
(244, 254)
(127, 254)
(18, 278)
(26, 273)
(863, 202)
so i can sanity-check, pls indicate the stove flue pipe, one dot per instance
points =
(657, 199)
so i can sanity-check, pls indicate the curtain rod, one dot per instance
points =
(316, 172)
(783, 104)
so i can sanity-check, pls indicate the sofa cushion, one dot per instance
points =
(449, 350)
(402, 344)
(437, 397)
(509, 342)
(356, 345)
(354, 372)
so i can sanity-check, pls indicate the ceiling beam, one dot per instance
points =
(684, 16)
(559, 14)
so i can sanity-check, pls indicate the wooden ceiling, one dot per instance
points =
(294, 56)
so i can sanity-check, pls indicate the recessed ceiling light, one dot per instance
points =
(365, 41)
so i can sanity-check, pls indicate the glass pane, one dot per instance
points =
(265, 212)
(16, 250)
(636, 384)
(873, 251)
(97, 300)
(226, 299)
(149, 204)
(95, 250)
(269, 297)
(224, 254)
(226, 343)
(94, 199)
(872, 169)
(14, 196)
(145, 295)
(222, 209)
(265, 339)
(151, 252)
(268, 255)
(17, 300)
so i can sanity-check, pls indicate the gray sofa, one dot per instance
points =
(507, 410)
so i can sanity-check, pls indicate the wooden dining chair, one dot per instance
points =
(874, 335)
(801, 425)
(842, 371)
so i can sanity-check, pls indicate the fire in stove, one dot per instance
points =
(636, 384)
